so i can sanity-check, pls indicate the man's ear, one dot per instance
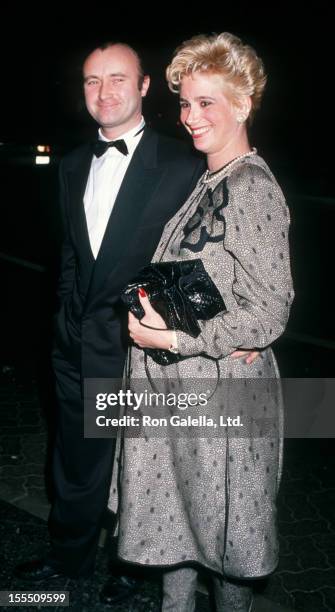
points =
(145, 85)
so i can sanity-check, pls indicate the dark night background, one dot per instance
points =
(41, 103)
(41, 51)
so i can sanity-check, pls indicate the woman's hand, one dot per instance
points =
(248, 356)
(159, 338)
(145, 337)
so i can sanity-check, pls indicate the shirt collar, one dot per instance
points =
(131, 137)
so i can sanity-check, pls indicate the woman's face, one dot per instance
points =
(208, 115)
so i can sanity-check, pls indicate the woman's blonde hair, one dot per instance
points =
(223, 54)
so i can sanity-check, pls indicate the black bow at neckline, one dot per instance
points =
(100, 146)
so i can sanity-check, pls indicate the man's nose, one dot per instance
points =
(105, 90)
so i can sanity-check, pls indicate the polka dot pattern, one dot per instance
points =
(178, 490)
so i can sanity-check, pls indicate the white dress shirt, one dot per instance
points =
(104, 181)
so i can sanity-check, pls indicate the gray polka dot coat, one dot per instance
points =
(211, 497)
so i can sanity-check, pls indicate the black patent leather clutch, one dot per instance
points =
(182, 293)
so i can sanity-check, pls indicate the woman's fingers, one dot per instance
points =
(249, 356)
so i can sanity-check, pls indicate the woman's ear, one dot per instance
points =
(243, 109)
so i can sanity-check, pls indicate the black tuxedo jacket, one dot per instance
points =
(91, 325)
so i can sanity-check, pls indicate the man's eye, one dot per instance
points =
(91, 82)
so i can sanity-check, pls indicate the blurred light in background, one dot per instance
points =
(43, 148)
(42, 160)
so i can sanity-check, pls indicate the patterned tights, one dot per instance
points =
(179, 588)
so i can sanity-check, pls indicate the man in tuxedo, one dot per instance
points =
(116, 197)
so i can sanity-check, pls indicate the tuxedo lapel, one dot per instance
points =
(77, 180)
(140, 181)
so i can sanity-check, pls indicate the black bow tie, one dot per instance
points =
(100, 146)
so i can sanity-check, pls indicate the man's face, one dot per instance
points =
(111, 87)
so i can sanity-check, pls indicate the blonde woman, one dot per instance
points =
(206, 501)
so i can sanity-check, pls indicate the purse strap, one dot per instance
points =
(149, 377)
(150, 326)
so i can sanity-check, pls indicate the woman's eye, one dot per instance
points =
(184, 104)
(204, 103)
